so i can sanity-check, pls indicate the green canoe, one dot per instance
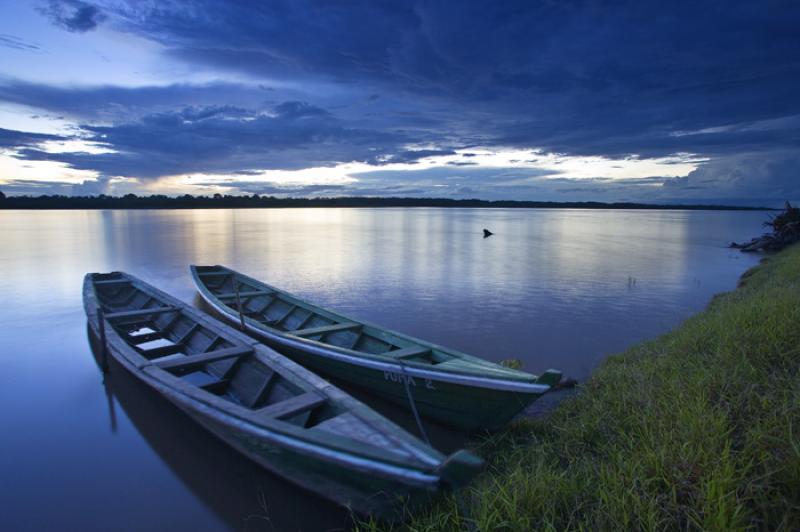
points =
(441, 383)
(275, 412)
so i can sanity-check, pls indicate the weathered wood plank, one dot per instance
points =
(262, 310)
(201, 379)
(312, 331)
(262, 390)
(286, 314)
(185, 336)
(168, 327)
(305, 320)
(292, 406)
(359, 336)
(140, 312)
(204, 358)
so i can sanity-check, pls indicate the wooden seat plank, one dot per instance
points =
(140, 312)
(313, 331)
(203, 358)
(290, 407)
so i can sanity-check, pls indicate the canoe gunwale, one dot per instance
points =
(362, 359)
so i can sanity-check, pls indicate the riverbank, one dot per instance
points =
(187, 201)
(696, 429)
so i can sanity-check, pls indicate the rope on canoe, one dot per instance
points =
(411, 402)
(462, 506)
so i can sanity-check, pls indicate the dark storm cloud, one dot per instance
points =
(20, 139)
(224, 139)
(564, 76)
(40, 187)
(73, 15)
(578, 77)
(772, 178)
(413, 156)
(293, 110)
(118, 103)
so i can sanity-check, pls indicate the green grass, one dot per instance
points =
(698, 429)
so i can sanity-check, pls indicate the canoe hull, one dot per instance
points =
(450, 387)
(460, 406)
(464, 407)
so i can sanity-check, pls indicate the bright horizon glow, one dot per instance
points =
(553, 165)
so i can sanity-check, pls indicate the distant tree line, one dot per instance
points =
(219, 201)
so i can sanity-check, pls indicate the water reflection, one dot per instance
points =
(550, 287)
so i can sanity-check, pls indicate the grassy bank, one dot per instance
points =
(698, 429)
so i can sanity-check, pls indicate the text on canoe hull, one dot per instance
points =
(399, 377)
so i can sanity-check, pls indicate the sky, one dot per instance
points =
(567, 100)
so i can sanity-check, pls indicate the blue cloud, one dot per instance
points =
(573, 77)
(20, 139)
(73, 15)
(125, 103)
(292, 110)
(227, 139)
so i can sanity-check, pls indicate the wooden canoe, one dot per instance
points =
(444, 384)
(267, 407)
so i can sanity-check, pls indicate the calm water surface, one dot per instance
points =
(554, 288)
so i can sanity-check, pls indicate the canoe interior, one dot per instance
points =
(206, 359)
(284, 313)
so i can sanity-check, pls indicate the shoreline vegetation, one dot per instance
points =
(218, 201)
(697, 429)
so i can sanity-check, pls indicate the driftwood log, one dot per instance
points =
(785, 230)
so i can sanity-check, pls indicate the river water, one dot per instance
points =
(553, 288)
